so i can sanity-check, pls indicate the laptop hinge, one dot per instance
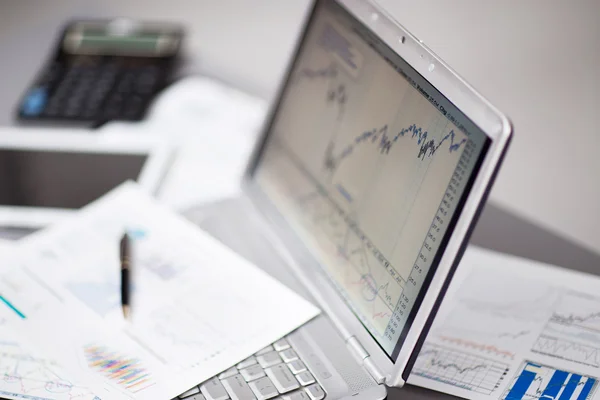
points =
(363, 358)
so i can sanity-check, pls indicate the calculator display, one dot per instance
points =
(114, 39)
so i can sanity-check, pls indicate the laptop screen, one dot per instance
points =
(370, 165)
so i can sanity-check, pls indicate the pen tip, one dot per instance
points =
(124, 245)
(126, 312)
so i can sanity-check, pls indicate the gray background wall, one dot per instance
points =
(537, 60)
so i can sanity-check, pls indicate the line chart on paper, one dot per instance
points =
(483, 321)
(579, 311)
(460, 369)
(32, 378)
(567, 350)
(573, 330)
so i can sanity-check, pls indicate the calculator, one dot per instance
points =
(103, 71)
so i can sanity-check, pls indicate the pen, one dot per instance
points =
(125, 256)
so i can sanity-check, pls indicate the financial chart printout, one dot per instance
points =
(369, 164)
(514, 329)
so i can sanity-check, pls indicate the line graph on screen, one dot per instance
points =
(362, 169)
(371, 166)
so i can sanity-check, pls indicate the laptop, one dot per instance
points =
(375, 162)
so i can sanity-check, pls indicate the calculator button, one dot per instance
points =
(114, 104)
(52, 75)
(125, 85)
(73, 110)
(133, 107)
(52, 111)
(35, 102)
(146, 82)
(106, 80)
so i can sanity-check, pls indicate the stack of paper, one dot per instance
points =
(199, 308)
(514, 329)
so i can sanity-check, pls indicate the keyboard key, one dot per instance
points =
(289, 355)
(297, 395)
(305, 378)
(264, 389)
(282, 378)
(238, 389)
(197, 396)
(268, 359)
(315, 392)
(281, 345)
(267, 349)
(252, 372)
(214, 390)
(297, 366)
(247, 362)
(190, 392)
(226, 374)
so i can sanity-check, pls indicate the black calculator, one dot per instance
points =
(103, 71)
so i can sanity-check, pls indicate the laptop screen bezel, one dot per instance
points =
(494, 125)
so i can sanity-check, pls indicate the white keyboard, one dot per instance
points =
(274, 372)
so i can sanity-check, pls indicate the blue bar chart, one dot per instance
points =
(536, 381)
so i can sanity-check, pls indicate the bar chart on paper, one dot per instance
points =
(127, 372)
(537, 381)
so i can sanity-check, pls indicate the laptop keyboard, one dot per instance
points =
(274, 372)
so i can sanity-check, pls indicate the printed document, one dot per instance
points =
(27, 374)
(514, 329)
(198, 308)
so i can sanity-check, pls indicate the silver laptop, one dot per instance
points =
(374, 164)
